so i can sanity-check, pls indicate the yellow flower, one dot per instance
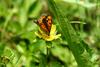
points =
(52, 36)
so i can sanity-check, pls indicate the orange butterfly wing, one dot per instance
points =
(45, 23)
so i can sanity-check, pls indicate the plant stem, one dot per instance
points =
(48, 46)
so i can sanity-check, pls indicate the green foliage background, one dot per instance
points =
(78, 21)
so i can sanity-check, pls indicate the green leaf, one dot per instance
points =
(43, 61)
(2, 46)
(55, 64)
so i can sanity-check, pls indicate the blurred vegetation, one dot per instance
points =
(78, 22)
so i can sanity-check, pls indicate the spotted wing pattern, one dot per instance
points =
(45, 23)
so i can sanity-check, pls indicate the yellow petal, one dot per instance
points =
(52, 36)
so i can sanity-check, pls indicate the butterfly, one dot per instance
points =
(47, 29)
(45, 23)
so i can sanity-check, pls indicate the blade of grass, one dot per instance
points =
(6, 23)
(71, 37)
